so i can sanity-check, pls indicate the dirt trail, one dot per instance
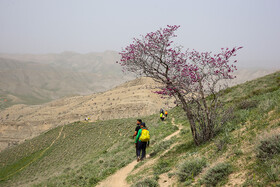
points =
(119, 178)
(36, 158)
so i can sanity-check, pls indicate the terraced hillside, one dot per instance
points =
(245, 152)
(131, 99)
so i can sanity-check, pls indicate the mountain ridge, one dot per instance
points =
(130, 99)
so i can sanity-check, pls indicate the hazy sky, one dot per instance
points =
(54, 26)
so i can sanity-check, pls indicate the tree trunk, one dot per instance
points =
(190, 117)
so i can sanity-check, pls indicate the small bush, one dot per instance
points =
(190, 168)
(146, 183)
(217, 174)
(162, 166)
(245, 104)
(93, 180)
(268, 147)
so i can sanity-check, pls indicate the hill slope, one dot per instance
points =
(36, 79)
(82, 154)
(131, 99)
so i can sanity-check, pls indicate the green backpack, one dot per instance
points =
(145, 136)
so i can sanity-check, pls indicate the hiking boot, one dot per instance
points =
(138, 159)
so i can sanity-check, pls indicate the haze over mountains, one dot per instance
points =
(39, 78)
(35, 79)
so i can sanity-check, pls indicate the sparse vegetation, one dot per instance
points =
(267, 165)
(162, 166)
(161, 147)
(247, 104)
(92, 150)
(190, 168)
(269, 147)
(235, 141)
(217, 174)
(146, 183)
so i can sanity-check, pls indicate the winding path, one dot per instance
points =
(36, 158)
(119, 178)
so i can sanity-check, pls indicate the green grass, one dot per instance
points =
(217, 174)
(267, 165)
(269, 147)
(19, 164)
(87, 153)
(148, 182)
(190, 168)
(162, 166)
(253, 107)
(83, 155)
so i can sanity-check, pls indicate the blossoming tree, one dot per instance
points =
(193, 78)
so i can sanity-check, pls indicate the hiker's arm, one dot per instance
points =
(138, 136)
(135, 133)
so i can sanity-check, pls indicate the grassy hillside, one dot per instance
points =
(245, 152)
(79, 154)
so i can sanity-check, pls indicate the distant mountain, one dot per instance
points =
(40, 78)
(103, 62)
(35, 79)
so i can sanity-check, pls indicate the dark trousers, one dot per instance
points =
(141, 146)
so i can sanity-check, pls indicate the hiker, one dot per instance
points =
(166, 113)
(138, 122)
(161, 116)
(141, 140)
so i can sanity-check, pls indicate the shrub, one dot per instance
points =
(190, 168)
(162, 166)
(268, 147)
(93, 180)
(148, 182)
(216, 174)
(245, 104)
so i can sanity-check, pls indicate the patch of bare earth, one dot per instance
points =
(165, 181)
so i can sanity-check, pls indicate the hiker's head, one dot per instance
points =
(139, 121)
(143, 125)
